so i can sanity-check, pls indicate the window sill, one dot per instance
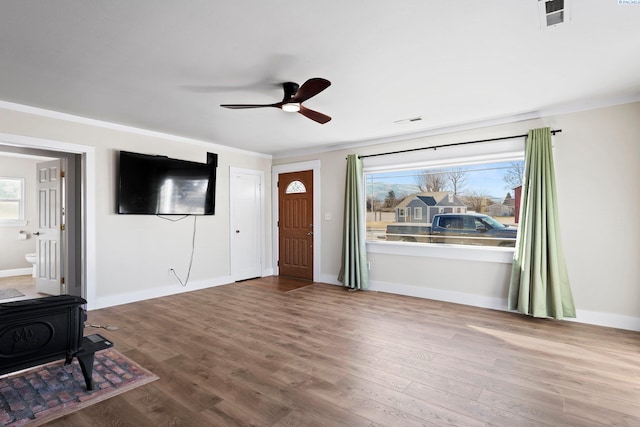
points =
(468, 253)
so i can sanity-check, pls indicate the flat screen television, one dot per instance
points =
(159, 185)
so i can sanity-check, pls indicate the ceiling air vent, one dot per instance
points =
(553, 12)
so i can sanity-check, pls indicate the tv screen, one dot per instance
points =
(159, 185)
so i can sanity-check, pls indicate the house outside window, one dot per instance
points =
(11, 201)
(480, 193)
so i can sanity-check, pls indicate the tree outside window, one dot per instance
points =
(484, 188)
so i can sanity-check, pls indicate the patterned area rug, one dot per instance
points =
(10, 293)
(50, 391)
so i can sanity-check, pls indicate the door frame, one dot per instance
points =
(260, 237)
(276, 170)
(86, 223)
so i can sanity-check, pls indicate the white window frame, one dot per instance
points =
(19, 222)
(417, 213)
(499, 151)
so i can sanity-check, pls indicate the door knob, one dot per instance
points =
(37, 233)
(237, 231)
(310, 233)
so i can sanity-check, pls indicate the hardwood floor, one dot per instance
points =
(250, 354)
(25, 284)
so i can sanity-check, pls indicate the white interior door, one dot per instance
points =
(50, 225)
(247, 219)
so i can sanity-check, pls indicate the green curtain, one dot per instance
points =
(539, 283)
(353, 271)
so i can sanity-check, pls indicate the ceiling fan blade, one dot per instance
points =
(242, 106)
(310, 88)
(314, 115)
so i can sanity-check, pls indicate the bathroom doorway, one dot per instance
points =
(18, 241)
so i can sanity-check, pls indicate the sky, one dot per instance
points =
(484, 179)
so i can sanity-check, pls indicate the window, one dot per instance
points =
(295, 187)
(11, 201)
(417, 213)
(474, 203)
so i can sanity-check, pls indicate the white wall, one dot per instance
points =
(133, 253)
(597, 159)
(12, 249)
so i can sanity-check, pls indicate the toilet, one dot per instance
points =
(32, 259)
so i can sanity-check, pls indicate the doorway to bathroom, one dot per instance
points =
(60, 257)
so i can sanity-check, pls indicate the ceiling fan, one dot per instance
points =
(294, 96)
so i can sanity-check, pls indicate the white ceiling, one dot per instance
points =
(167, 65)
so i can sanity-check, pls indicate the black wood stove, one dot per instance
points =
(41, 330)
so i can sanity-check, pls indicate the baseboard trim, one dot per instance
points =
(164, 291)
(16, 272)
(589, 317)
(331, 280)
(609, 320)
(439, 295)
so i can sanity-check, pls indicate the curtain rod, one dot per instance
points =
(435, 147)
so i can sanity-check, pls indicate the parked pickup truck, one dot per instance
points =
(461, 229)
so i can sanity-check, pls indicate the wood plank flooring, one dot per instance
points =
(266, 353)
(25, 284)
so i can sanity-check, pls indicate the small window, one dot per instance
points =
(295, 187)
(11, 201)
(417, 213)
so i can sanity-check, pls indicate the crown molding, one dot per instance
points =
(122, 128)
(567, 108)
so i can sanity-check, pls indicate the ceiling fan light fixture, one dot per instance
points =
(294, 96)
(291, 107)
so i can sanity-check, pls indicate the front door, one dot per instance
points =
(295, 224)
(50, 226)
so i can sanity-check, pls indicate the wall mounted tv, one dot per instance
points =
(159, 185)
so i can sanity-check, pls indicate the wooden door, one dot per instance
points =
(295, 224)
(50, 226)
